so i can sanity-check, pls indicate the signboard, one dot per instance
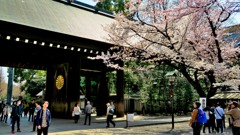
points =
(130, 117)
(203, 102)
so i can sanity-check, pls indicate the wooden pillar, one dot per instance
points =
(103, 95)
(120, 92)
(48, 93)
(88, 88)
(10, 84)
(73, 86)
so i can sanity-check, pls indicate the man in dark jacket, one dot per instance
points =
(15, 115)
(31, 110)
(43, 119)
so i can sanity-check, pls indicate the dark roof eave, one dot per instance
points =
(19, 30)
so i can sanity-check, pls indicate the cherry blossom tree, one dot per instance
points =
(188, 35)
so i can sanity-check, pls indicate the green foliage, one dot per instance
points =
(21, 75)
(106, 5)
(148, 80)
(82, 85)
(112, 82)
(31, 81)
(184, 94)
(112, 5)
(35, 86)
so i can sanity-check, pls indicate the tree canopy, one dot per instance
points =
(187, 35)
(112, 5)
(30, 81)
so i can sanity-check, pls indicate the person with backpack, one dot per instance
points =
(88, 112)
(109, 114)
(207, 124)
(198, 118)
(219, 113)
(112, 106)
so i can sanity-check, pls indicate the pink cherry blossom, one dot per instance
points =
(187, 35)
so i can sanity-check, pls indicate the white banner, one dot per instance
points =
(203, 102)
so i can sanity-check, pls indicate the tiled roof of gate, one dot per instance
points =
(56, 16)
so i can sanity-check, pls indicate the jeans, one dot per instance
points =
(196, 128)
(110, 119)
(207, 125)
(31, 115)
(88, 115)
(43, 130)
(5, 118)
(220, 125)
(34, 123)
(14, 119)
(76, 118)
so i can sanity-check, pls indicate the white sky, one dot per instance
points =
(235, 18)
(4, 73)
(90, 2)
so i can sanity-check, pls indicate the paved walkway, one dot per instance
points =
(141, 125)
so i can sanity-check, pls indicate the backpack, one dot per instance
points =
(111, 110)
(201, 117)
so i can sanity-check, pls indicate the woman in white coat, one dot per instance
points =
(76, 113)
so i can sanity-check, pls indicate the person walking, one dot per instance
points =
(1, 110)
(219, 113)
(31, 110)
(43, 119)
(109, 116)
(36, 109)
(21, 107)
(193, 121)
(6, 111)
(207, 124)
(88, 111)
(16, 116)
(1, 107)
(25, 108)
(235, 114)
(212, 118)
(76, 112)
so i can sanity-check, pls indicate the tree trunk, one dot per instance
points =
(196, 85)
(212, 91)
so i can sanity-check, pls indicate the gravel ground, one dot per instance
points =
(165, 129)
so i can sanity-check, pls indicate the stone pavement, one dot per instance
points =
(141, 125)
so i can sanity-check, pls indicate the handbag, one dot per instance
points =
(73, 114)
(236, 123)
